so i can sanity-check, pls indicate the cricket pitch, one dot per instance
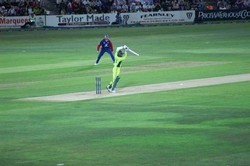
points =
(143, 89)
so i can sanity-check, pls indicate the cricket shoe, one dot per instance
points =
(109, 90)
(96, 64)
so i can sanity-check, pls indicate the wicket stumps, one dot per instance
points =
(98, 85)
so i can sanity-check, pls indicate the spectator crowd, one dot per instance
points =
(21, 7)
(26, 7)
(123, 6)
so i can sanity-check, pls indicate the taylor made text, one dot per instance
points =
(87, 18)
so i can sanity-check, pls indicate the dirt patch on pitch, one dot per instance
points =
(143, 89)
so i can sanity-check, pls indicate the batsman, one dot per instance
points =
(120, 56)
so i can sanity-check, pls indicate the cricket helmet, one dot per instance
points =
(120, 53)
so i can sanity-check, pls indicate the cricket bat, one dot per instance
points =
(133, 52)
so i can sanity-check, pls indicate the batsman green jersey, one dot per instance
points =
(118, 62)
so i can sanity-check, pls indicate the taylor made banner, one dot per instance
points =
(80, 20)
(215, 15)
(102, 19)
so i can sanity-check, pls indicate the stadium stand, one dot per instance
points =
(40, 7)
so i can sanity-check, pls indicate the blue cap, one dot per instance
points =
(106, 35)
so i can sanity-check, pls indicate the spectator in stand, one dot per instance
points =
(164, 6)
(69, 8)
(175, 5)
(183, 5)
(4, 11)
(124, 7)
(157, 7)
(58, 3)
(222, 5)
(138, 6)
(1, 12)
(142, 6)
(62, 8)
(75, 7)
(33, 4)
(105, 6)
(210, 7)
(230, 3)
(147, 7)
(39, 11)
(187, 3)
(30, 10)
(135, 7)
(12, 11)
(22, 8)
(156, 1)
(84, 9)
(239, 4)
(113, 8)
(151, 7)
(110, 2)
(92, 6)
(169, 6)
(193, 5)
(88, 9)
(98, 6)
(118, 8)
(7, 5)
(132, 7)
(85, 2)
(247, 3)
(201, 5)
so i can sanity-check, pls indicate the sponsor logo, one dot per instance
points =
(125, 19)
(189, 15)
(153, 15)
(40, 21)
(83, 20)
(243, 14)
(14, 21)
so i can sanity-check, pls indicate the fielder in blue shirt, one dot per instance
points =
(106, 46)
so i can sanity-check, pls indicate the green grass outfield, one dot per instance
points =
(208, 126)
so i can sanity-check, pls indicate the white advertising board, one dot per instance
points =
(102, 19)
(80, 20)
(159, 17)
(18, 21)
